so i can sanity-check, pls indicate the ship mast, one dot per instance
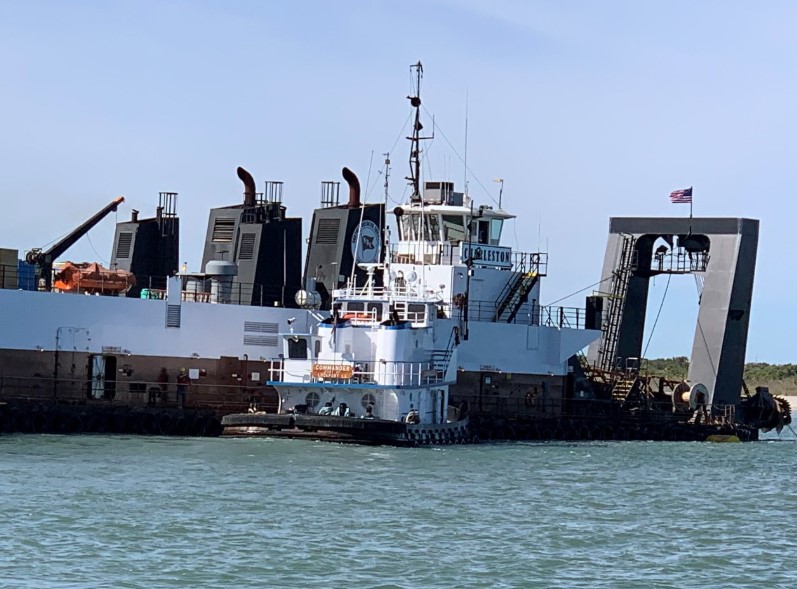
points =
(387, 176)
(415, 140)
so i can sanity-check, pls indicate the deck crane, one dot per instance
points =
(43, 259)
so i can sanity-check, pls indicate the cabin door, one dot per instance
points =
(102, 376)
(97, 376)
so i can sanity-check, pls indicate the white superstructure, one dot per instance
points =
(378, 356)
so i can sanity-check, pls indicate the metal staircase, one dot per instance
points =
(612, 321)
(441, 359)
(624, 387)
(513, 296)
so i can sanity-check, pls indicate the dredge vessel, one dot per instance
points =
(452, 310)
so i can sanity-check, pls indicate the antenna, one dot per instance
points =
(501, 191)
(387, 175)
(415, 149)
(415, 140)
(466, 143)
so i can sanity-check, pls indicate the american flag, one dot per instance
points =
(683, 196)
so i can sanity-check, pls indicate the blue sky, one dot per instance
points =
(587, 109)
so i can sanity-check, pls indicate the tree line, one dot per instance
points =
(781, 378)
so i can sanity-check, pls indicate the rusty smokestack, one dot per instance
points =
(354, 188)
(249, 187)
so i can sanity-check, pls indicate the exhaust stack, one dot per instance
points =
(354, 188)
(249, 187)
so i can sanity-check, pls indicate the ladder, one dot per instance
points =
(624, 387)
(441, 359)
(613, 318)
(513, 296)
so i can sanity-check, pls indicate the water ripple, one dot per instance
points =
(101, 511)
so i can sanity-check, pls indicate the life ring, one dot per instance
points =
(535, 258)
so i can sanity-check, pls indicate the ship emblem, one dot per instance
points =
(365, 244)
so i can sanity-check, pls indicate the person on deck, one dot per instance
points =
(326, 409)
(163, 383)
(183, 380)
(343, 410)
(701, 413)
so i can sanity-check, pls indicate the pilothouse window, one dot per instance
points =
(416, 312)
(495, 231)
(419, 227)
(453, 228)
(431, 228)
(415, 227)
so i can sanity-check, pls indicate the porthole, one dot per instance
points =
(312, 399)
(368, 399)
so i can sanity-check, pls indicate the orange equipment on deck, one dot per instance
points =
(92, 278)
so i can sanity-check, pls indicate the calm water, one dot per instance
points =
(97, 511)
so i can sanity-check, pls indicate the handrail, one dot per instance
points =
(385, 374)
(531, 314)
(154, 287)
(445, 253)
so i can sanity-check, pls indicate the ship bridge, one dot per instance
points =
(448, 246)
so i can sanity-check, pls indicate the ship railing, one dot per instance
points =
(530, 262)
(396, 293)
(679, 261)
(438, 253)
(377, 373)
(432, 253)
(199, 290)
(203, 290)
(530, 314)
(373, 317)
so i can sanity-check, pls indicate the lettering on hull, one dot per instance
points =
(333, 371)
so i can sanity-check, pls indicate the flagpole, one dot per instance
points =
(691, 200)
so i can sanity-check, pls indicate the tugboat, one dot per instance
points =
(375, 372)
(447, 278)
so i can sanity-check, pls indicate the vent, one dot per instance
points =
(123, 246)
(172, 315)
(257, 333)
(223, 230)
(247, 249)
(258, 327)
(260, 340)
(328, 230)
